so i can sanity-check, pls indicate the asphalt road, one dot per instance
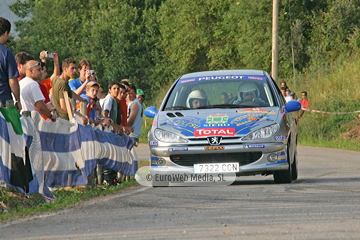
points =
(323, 204)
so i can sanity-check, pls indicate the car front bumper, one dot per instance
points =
(254, 158)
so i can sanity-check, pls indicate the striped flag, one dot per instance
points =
(15, 167)
(57, 154)
(71, 151)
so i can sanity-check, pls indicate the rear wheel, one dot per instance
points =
(284, 176)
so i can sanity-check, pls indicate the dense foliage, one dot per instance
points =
(152, 42)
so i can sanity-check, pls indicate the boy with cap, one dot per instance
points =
(140, 95)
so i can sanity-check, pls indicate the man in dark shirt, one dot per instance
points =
(8, 68)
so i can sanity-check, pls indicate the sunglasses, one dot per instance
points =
(41, 64)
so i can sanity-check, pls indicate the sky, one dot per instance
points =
(5, 12)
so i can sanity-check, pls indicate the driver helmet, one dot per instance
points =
(196, 94)
(247, 87)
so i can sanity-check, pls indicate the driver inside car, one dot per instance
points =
(248, 94)
(196, 99)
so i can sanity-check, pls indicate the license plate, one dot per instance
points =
(216, 167)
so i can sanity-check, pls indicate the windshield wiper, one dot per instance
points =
(177, 108)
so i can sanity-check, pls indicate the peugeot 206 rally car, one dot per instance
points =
(224, 121)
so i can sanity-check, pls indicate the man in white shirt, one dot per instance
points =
(31, 96)
(134, 114)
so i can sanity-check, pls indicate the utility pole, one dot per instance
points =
(275, 36)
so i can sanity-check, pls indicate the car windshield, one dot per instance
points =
(220, 92)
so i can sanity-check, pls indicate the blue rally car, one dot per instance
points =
(225, 121)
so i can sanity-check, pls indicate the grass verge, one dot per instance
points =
(14, 205)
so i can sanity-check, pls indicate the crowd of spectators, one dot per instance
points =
(23, 79)
(291, 96)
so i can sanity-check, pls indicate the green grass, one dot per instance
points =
(343, 144)
(16, 205)
(335, 90)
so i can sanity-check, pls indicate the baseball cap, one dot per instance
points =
(292, 94)
(139, 91)
(92, 83)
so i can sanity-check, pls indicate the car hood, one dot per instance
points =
(216, 122)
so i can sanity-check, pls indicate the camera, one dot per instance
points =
(48, 55)
(92, 72)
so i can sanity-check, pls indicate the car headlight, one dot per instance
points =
(168, 137)
(264, 132)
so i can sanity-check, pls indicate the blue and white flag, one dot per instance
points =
(57, 154)
(71, 151)
(15, 163)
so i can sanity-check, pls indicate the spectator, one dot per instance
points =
(60, 85)
(44, 90)
(78, 85)
(123, 93)
(110, 107)
(283, 87)
(134, 114)
(44, 55)
(294, 97)
(93, 106)
(126, 82)
(288, 97)
(122, 104)
(8, 69)
(305, 103)
(124, 101)
(283, 92)
(21, 59)
(31, 96)
(140, 95)
(101, 94)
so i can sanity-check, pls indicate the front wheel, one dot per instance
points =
(284, 176)
(294, 168)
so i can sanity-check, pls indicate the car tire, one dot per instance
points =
(284, 176)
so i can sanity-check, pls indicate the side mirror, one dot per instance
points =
(292, 106)
(150, 112)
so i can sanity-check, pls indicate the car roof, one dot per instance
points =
(224, 72)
